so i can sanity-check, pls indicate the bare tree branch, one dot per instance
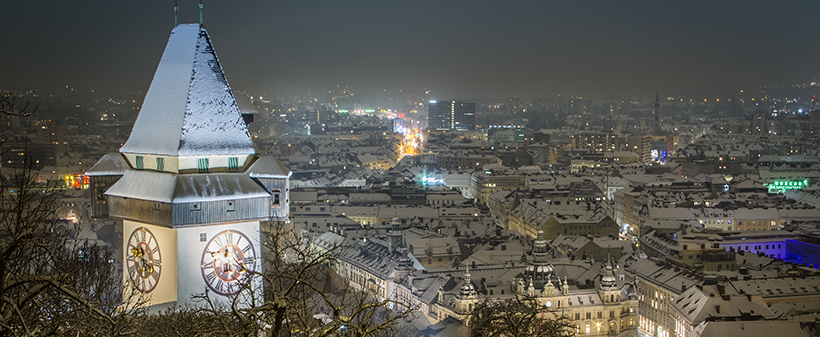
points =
(9, 106)
(50, 282)
(518, 316)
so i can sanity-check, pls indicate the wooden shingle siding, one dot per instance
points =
(184, 214)
(142, 210)
(218, 211)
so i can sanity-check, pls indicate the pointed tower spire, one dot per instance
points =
(176, 17)
(200, 12)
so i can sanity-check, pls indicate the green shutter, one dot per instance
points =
(233, 164)
(160, 164)
(139, 163)
(202, 165)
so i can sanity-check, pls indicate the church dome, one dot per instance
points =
(467, 287)
(608, 280)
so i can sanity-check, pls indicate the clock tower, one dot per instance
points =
(188, 184)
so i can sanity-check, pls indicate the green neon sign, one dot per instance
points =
(788, 185)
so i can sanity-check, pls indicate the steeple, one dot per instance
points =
(189, 109)
(539, 248)
(467, 289)
(394, 238)
(608, 280)
(467, 295)
(200, 12)
(176, 11)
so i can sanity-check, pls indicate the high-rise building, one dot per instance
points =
(513, 105)
(451, 115)
(52, 134)
(656, 115)
(759, 123)
(37, 156)
(815, 120)
(189, 186)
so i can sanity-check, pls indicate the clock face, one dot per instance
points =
(143, 260)
(226, 261)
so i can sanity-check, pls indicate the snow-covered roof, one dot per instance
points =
(145, 185)
(110, 164)
(245, 105)
(189, 109)
(168, 187)
(269, 167)
(217, 186)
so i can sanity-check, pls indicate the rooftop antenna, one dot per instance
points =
(200, 12)
(176, 17)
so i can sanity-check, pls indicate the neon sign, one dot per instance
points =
(788, 185)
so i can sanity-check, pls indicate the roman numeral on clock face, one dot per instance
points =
(225, 259)
(144, 259)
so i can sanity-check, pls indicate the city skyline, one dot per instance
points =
(192, 205)
(473, 51)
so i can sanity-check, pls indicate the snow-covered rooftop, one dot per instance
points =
(145, 185)
(189, 109)
(168, 187)
(269, 167)
(109, 164)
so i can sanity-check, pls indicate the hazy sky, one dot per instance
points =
(468, 49)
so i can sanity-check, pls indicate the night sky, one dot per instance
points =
(465, 49)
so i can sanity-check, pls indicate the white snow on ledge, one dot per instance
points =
(145, 185)
(110, 164)
(172, 188)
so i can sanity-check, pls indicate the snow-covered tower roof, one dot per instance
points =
(189, 109)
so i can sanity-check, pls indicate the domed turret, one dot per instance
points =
(539, 270)
(608, 280)
(467, 289)
(608, 287)
(539, 248)
(467, 295)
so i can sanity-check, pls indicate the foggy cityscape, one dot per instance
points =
(457, 168)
